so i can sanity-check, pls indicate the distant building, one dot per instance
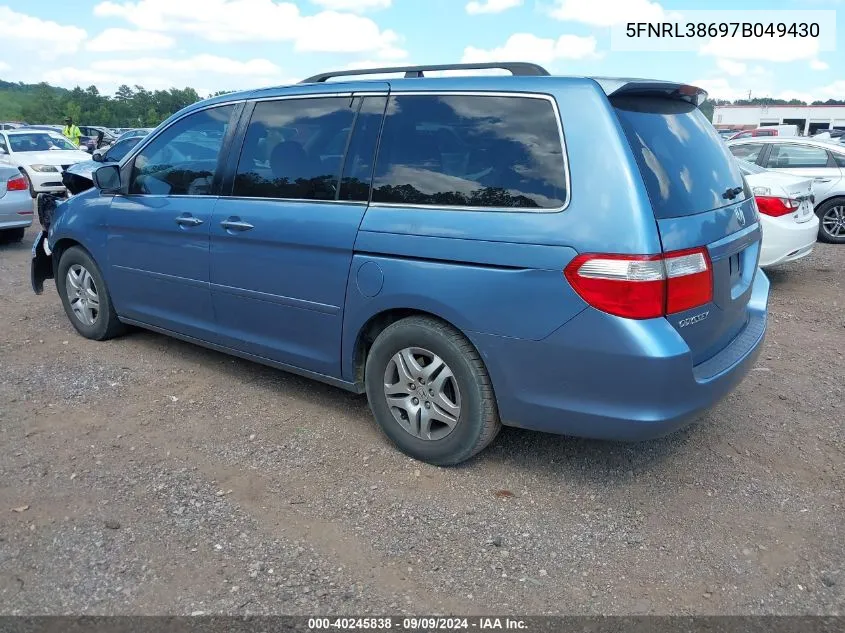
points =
(809, 119)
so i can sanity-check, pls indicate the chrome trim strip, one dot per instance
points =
(301, 200)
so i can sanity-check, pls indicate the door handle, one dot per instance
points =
(188, 220)
(236, 224)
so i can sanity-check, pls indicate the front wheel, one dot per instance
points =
(832, 221)
(430, 392)
(85, 297)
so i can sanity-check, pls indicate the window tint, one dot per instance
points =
(478, 151)
(182, 160)
(294, 148)
(789, 155)
(360, 160)
(685, 166)
(747, 151)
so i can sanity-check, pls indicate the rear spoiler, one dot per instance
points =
(668, 89)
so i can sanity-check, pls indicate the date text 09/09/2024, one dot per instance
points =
(418, 624)
(722, 29)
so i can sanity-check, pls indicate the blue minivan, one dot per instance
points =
(567, 254)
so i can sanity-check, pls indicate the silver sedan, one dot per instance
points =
(16, 210)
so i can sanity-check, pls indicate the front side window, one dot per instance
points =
(293, 148)
(785, 155)
(119, 150)
(183, 159)
(470, 151)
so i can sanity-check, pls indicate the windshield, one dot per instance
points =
(686, 167)
(749, 168)
(39, 142)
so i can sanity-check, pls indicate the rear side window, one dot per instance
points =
(471, 151)
(840, 159)
(747, 151)
(294, 148)
(790, 155)
(686, 167)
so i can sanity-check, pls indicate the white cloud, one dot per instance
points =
(720, 88)
(836, 90)
(773, 49)
(731, 67)
(255, 21)
(528, 47)
(114, 40)
(353, 5)
(817, 64)
(43, 38)
(787, 95)
(4, 66)
(491, 6)
(608, 12)
(157, 73)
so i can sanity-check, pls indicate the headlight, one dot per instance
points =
(43, 168)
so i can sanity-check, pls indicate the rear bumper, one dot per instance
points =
(604, 377)
(785, 241)
(15, 210)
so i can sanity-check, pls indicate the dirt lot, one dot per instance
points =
(145, 475)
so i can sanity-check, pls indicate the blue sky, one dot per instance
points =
(231, 44)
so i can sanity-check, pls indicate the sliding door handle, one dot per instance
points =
(188, 220)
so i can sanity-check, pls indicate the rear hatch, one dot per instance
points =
(699, 198)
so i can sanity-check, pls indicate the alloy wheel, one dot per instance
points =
(82, 294)
(833, 221)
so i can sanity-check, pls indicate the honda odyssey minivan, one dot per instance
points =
(572, 255)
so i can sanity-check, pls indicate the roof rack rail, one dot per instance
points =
(515, 68)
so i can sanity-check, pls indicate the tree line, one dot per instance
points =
(128, 107)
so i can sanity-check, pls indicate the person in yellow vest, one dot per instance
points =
(72, 132)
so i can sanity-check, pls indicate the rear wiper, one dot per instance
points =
(732, 192)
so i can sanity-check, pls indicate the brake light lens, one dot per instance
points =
(18, 183)
(776, 207)
(643, 286)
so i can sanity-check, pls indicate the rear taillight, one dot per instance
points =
(643, 286)
(776, 207)
(18, 183)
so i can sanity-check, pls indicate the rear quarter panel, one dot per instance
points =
(500, 272)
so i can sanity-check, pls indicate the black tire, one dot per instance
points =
(478, 421)
(106, 325)
(32, 193)
(821, 211)
(12, 235)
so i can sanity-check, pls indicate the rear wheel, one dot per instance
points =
(12, 235)
(85, 297)
(832, 221)
(430, 392)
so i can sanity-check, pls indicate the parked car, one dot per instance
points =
(139, 132)
(433, 243)
(11, 125)
(40, 155)
(785, 203)
(15, 204)
(824, 161)
(768, 130)
(727, 134)
(79, 177)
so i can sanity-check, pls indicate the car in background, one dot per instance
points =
(727, 134)
(96, 137)
(11, 125)
(821, 160)
(785, 205)
(15, 205)
(460, 280)
(138, 131)
(79, 177)
(40, 155)
(768, 130)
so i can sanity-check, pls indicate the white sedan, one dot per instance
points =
(790, 226)
(41, 156)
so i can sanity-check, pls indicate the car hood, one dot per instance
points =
(85, 169)
(51, 157)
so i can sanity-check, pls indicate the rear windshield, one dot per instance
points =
(686, 167)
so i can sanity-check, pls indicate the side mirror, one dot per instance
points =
(98, 156)
(107, 178)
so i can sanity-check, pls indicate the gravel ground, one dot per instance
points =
(149, 476)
